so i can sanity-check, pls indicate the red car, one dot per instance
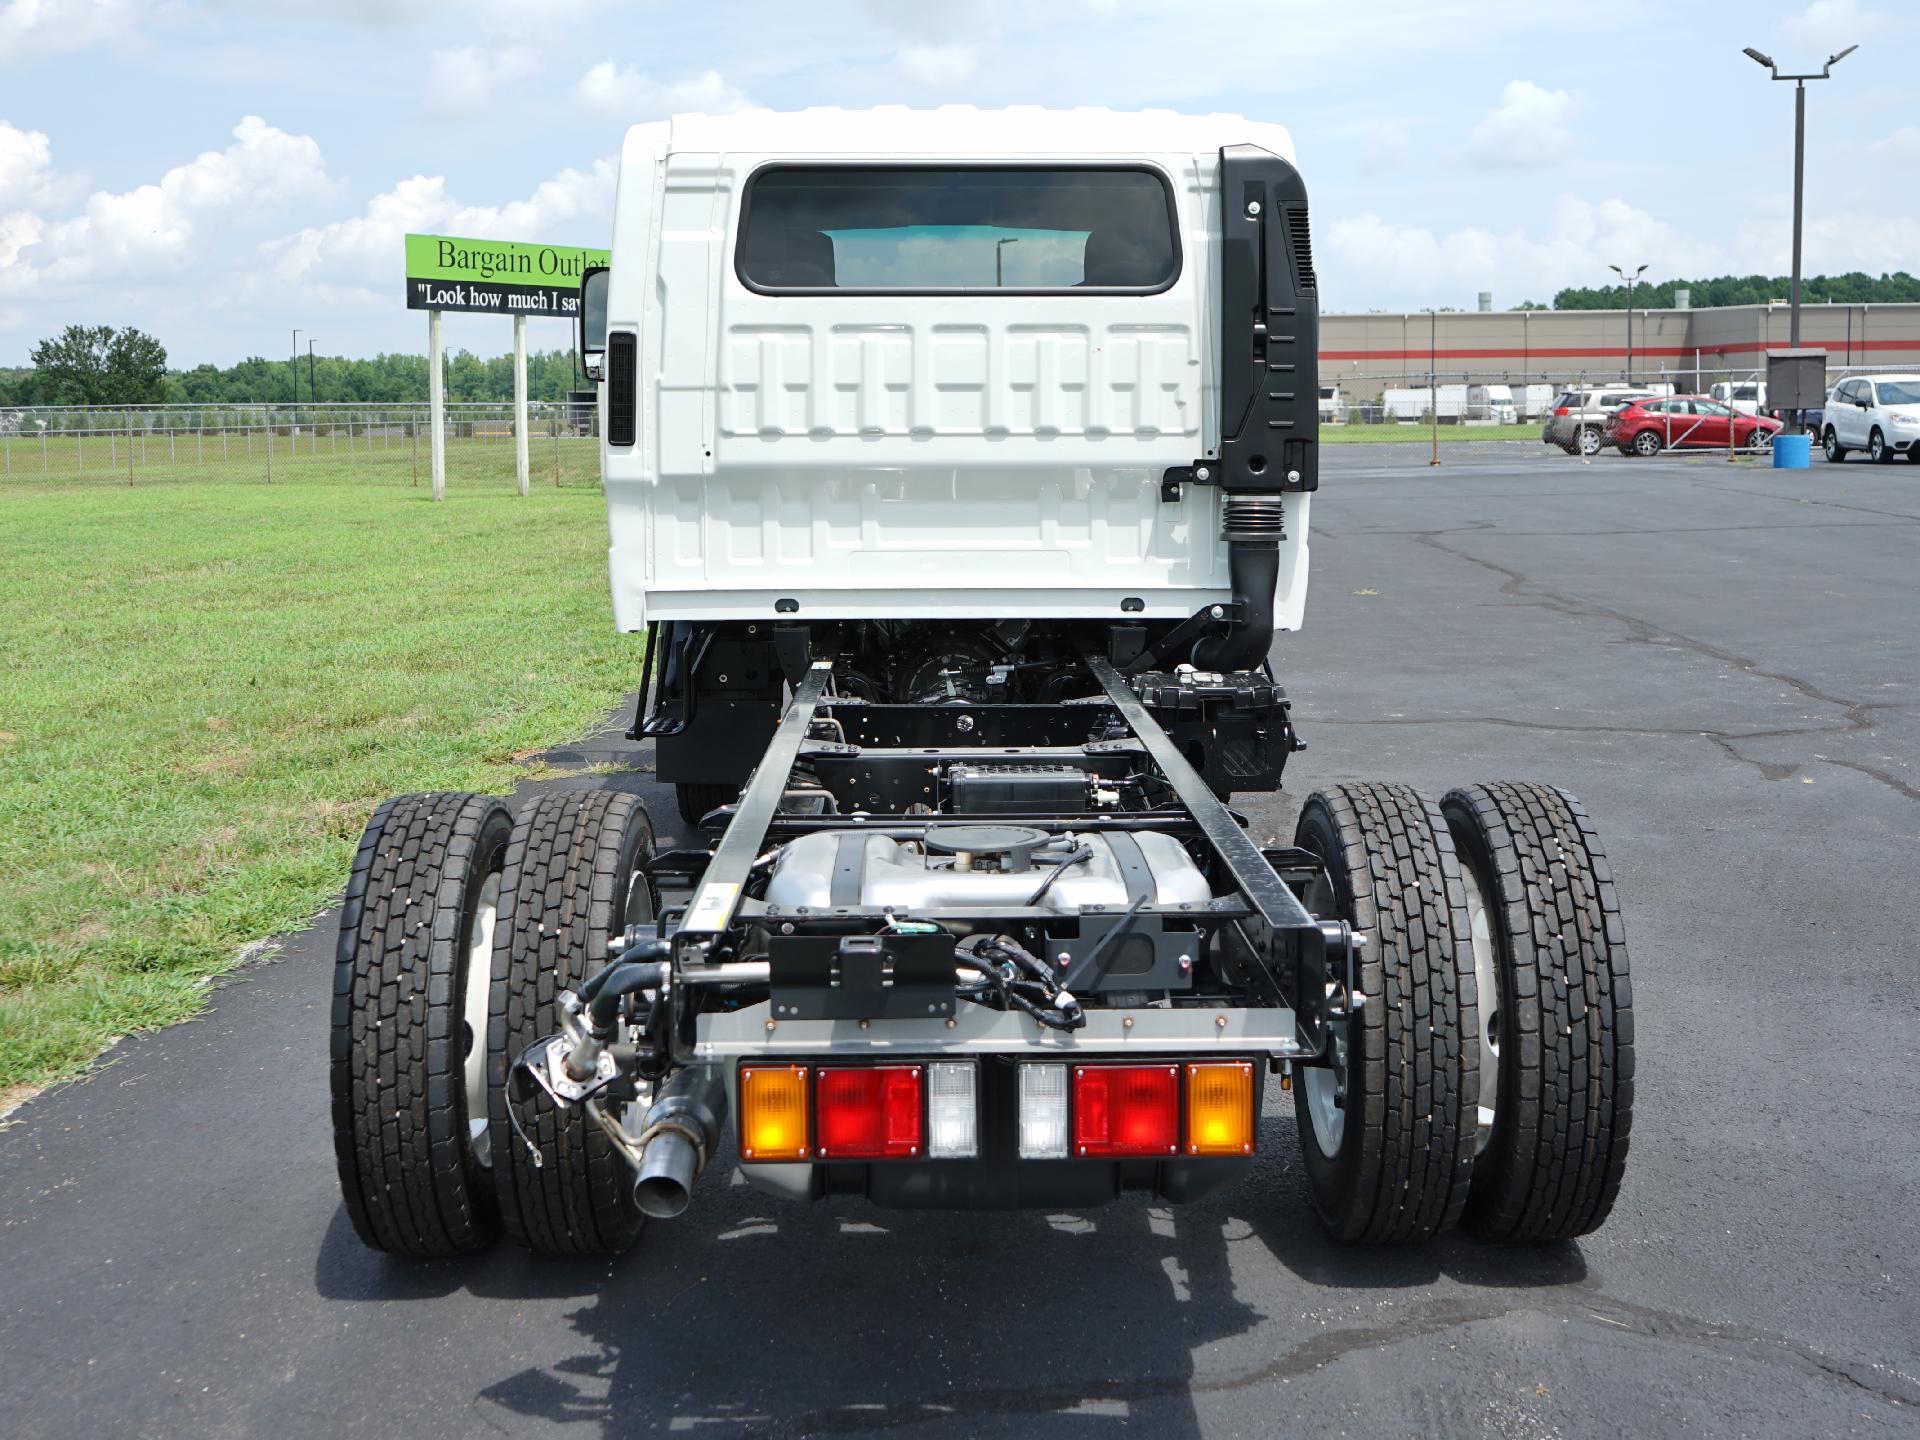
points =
(1685, 422)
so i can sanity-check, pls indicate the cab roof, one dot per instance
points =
(958, 131)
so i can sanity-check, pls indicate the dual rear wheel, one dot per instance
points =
(1487, 1074)
(460, 926)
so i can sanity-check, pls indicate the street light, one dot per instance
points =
(313, 391)
(1629, 279)
(1799, 164)
(999, 248)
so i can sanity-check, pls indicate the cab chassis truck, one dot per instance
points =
(959, 468)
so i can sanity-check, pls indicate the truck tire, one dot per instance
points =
(1391, 1158)
(405, 1054)
(697, 800)
(1561, 1014)
(575, 878)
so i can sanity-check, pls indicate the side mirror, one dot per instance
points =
(592, 332)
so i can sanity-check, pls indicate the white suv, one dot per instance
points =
(1879, 414)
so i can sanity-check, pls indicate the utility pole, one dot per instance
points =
(1629, 279)
(294, 367)
(313, 390)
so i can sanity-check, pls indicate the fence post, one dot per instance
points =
(129, 445)
(269, 447)
(170, 454)
(556, 454)
(46, 457)
(6, 448)
(413, 435)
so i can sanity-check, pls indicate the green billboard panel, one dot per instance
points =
(496, 277)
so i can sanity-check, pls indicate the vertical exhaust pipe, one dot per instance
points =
(683, 1130)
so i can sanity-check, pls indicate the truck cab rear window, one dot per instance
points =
(933, 229)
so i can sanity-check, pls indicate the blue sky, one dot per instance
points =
(221, 171)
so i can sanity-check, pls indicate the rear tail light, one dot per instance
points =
(953, 1112)
(1043, 1112)
(1220, 1108)
(1562, 410)
(1122, 1110)
(869, 1113)
(774, 1112)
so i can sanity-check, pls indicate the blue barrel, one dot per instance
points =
(1792, 452)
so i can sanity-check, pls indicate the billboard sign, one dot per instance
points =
(496, 277)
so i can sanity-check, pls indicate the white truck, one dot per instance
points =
(959, 467)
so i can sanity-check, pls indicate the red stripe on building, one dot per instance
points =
(1575, 352)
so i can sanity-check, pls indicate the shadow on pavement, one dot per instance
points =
(755, 1316)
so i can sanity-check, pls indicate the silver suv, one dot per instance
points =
(1578, 419)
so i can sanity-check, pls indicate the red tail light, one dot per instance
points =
(871, 1113)
(1563, 410)
(1121, 1110)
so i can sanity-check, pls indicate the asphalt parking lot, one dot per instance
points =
(1721, 660)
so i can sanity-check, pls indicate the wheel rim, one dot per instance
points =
(1486, 981)
(1646, 442)
(1875, 445)
(1760, 439)
(1829, 445)
(1325, 1085)
(1589, 442)
(474, 1001)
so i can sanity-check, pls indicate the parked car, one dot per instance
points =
(1879, 414)
(1579, 417)
(1685, 422)
(1749, 397)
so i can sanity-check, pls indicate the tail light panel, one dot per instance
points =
(930, 1110)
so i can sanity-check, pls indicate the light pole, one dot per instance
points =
(999, 249)
(1433, 380)
(294, 367)
(1799, 165)
(1629, 279)
(313, 391)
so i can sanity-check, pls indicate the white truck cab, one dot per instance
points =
(915, 364)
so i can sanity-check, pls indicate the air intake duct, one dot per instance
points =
(1253, 527)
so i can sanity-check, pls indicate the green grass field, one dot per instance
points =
(206, 686)
(1412, 433)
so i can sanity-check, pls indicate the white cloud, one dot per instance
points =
(33, 29)
(633, 96)
(1530, 127)
(155, 227)
(939, 66)
(361, 255)
(17, 231)
(26, 166)
(470, 78)
(1369, 261)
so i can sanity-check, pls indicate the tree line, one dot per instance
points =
(1853, 288)
(98, 365)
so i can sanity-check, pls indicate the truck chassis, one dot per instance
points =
(530, 1036)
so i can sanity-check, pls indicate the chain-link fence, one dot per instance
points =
(389, 444)
(1484, 398)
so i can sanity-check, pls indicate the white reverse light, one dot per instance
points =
(1043, 1112)
(953, 1123)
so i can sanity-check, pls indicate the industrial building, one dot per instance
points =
(1365, 354)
